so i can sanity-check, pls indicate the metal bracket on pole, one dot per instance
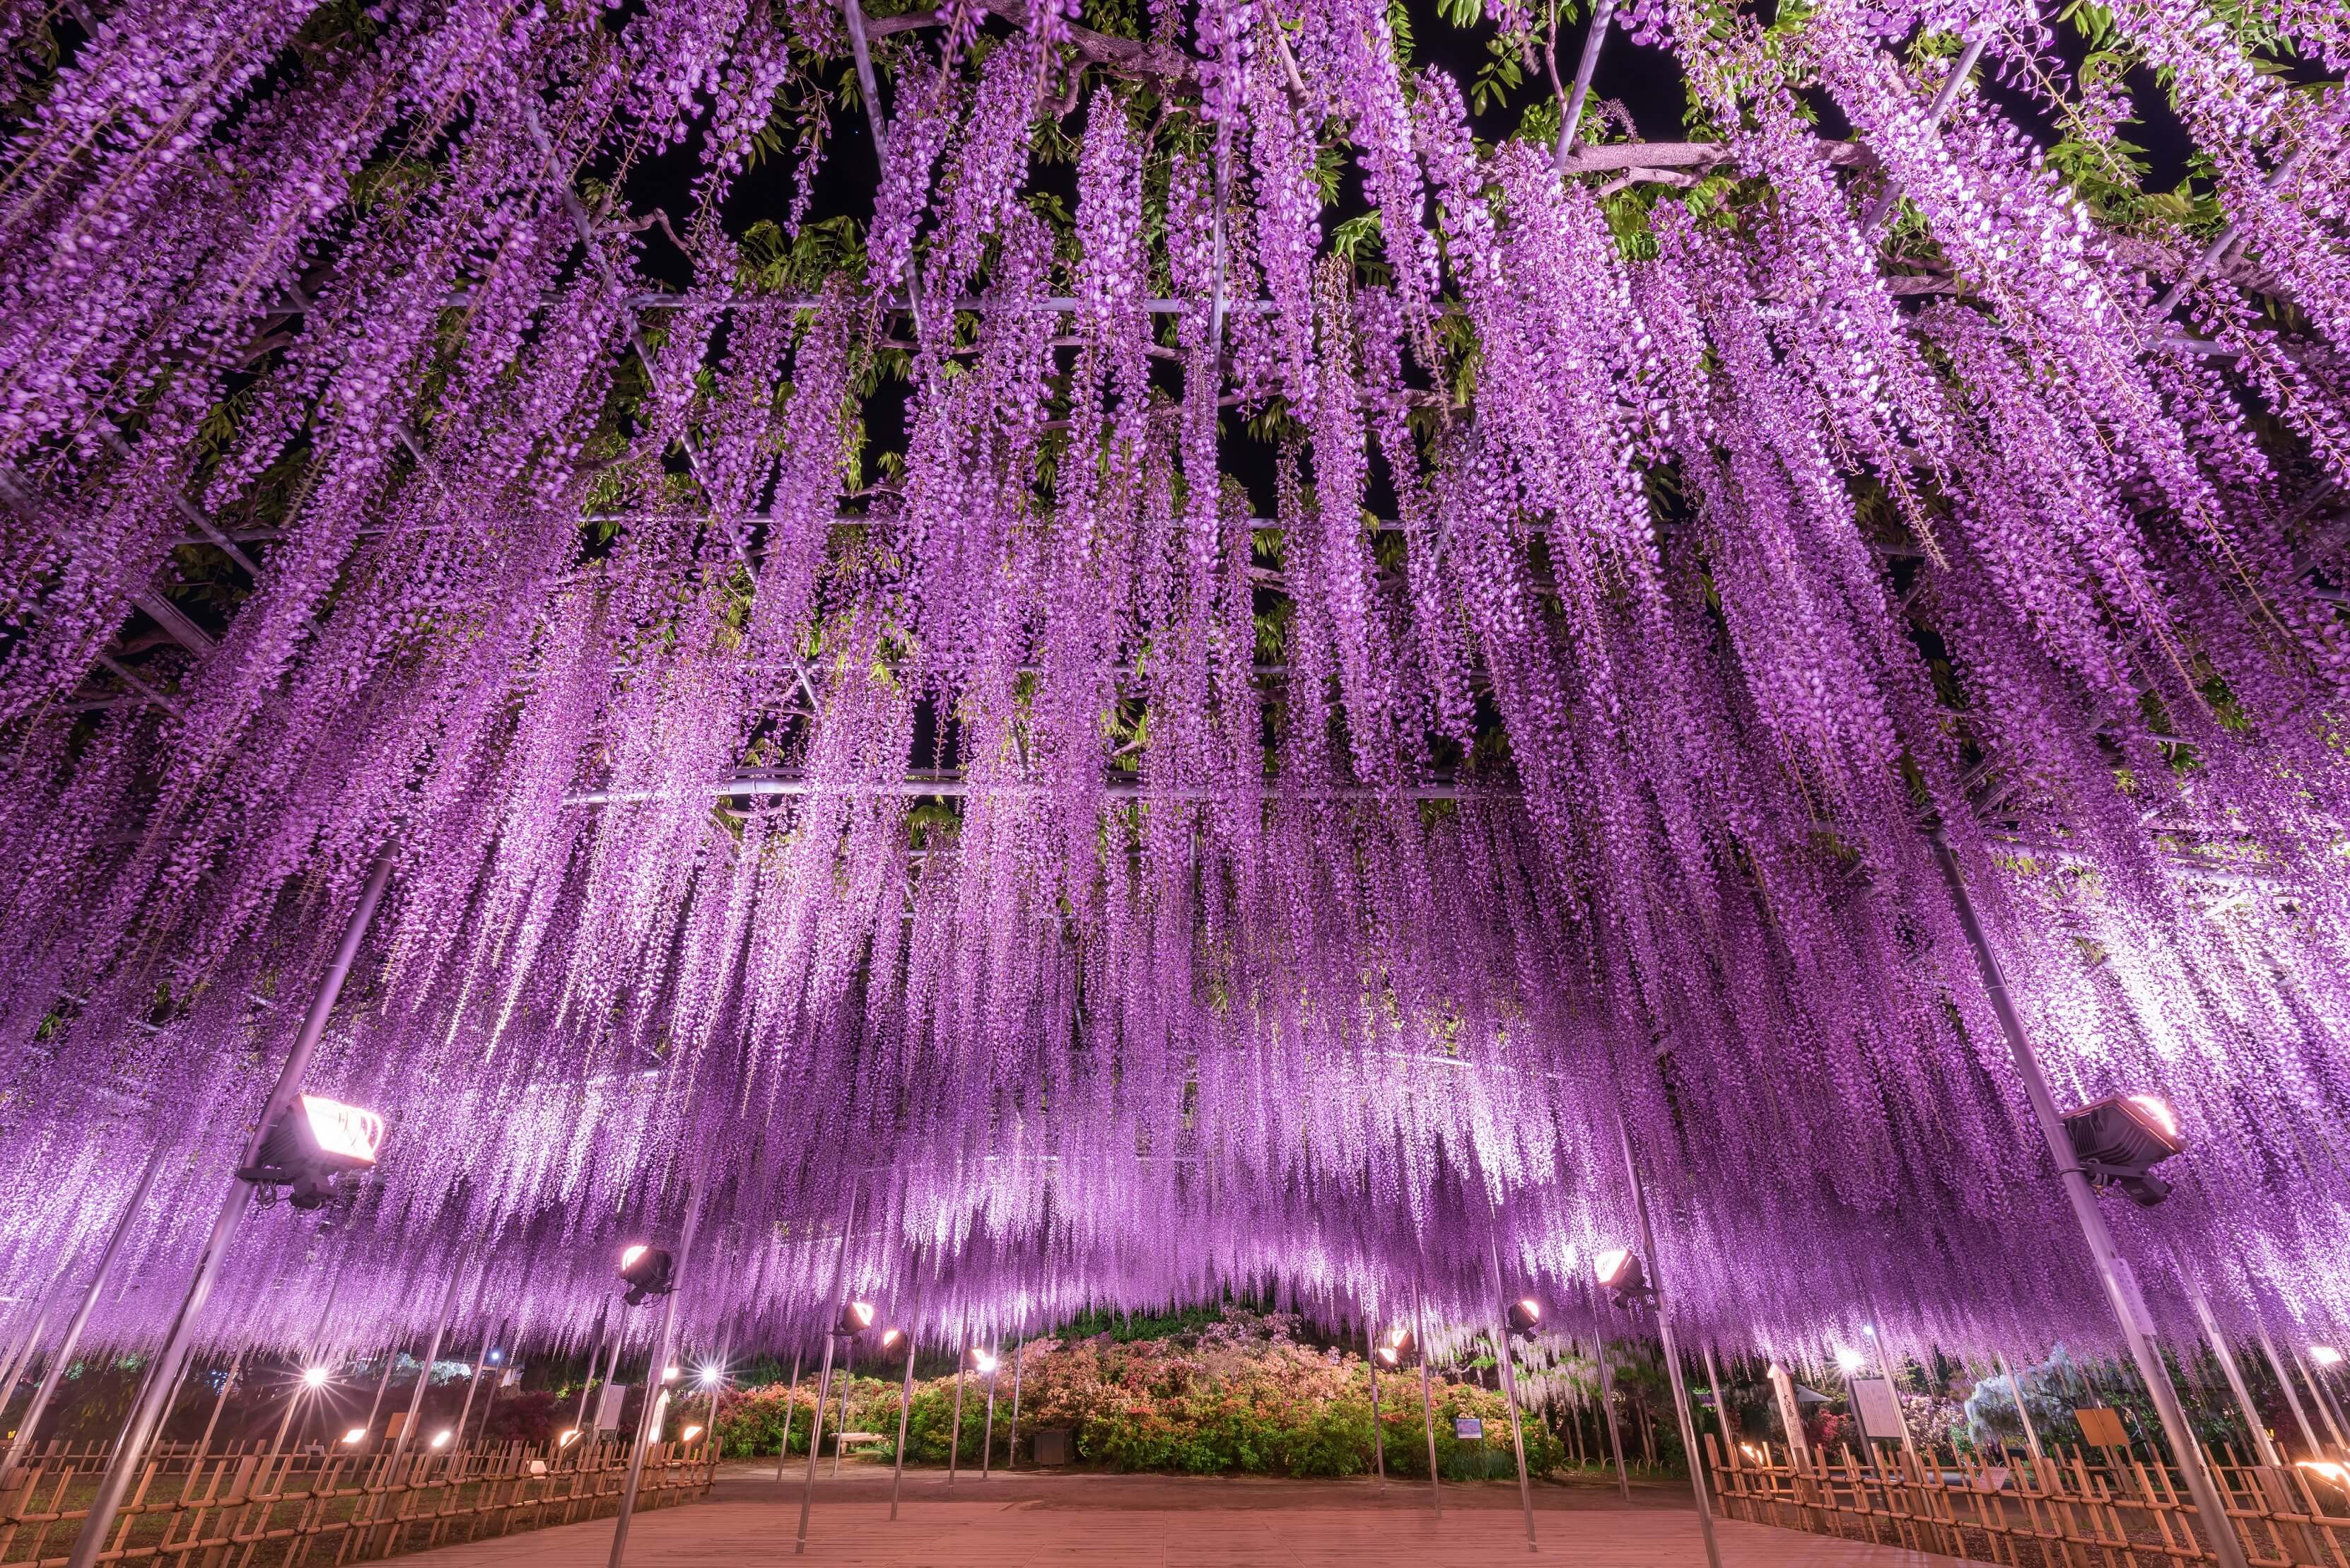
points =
(1672, 1355)
(147, 1411)
(2209, 1502)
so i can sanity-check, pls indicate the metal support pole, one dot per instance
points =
(1012, 1436)
(2325, 1399)
(20, 1353)
(1607, 1401)
(80, 1320)
(2209, 1503)
(2263, 1446)
(1672, 1354)
(1570, 119)
(595, 1359)
(1882, 208)
(481, 1365)
(1885, 1370)
(1504, 1359)
(954, 1440)
(382, 1385)
(1379, 1439)
(220, 1401)
(987, 1433)
(424, 1369)
(791, 1416)
(146, 1410)
(662, 1344)
(905, 1409)
(2291, 1395)
(1720, 1407)
(1426, 1402)
(2023, 1413)
(847, 1370)
(824, 1380)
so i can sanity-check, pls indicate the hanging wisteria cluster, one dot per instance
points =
(1197, 692)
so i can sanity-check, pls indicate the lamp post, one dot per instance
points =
(163, 1373)
(2120, 1297)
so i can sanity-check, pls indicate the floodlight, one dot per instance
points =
(1851, 1360)
(648, 1272)
(2324, 1355)
(891, 1337)
(570, 1436)
(712, 1375)
(1526, 1315)
(979, 1361)
(314, 1140)
(2121, 1138)
(440, 1438)
(2327, 1469)
(854, 1318)
(315, 1377)
(1399, 1341)
(1622, 1276)
(356, 1434)
(1386, 1358)
(688, 1434)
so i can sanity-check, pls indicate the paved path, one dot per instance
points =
(1162, 1521)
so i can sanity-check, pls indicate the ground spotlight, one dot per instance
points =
(1526, 1315)
(891, 1337)
(1398, 1349)
(979, 1361)
(2324, 1355)
(440, 1438)
(313, 1142)
(570, 1436)
(2121, 1138)
(648, 1272)
(688, 1434)
(355, 1436)
(854, 1318)
(315, 1377)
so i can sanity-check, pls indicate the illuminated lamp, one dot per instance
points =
(314, 1378)
(440, 1438)
(1620, 1273)
(356, 1434)
(688, 1434)
(891, 1337)
(1526, 1315)
(648, 1272)
(712, 1374)
(2120, 1139)
(2325, 1356)
(854, 1318)
(313, 1142)
(570, 1436)
(979, 1361)
(1850, 1360)
(669, 1374)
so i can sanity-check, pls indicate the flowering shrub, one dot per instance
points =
(1239, 1395)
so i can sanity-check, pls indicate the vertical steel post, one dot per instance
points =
(954, 1441)
(220, 1401)
(2291, 1395)
(424, 1369)
(1607, 1397)
(1379, 1439)
(824, 1381)
(1505, 1360)
(162, 1380)
(1011, 1437)
(2263, 1446)
(2209, 1503)
(595, 1358)
(1426, 1402)
(1672, 1353)
(905, 1409)
(791, 1416)
(847, 1371)
(2325, 1399)
(472, 1384)
(663, 1343)
(80, 1320)
(1885, 1370)
(987, 1434)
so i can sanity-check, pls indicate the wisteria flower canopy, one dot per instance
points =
(1132, 651)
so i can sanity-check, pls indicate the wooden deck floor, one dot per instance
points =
(1157, 1522)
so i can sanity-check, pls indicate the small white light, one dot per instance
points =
(688, 1434)
(2324, 1355)
(345, 1131)
(315, 1377)
(496, 1354)
(440, 1438)
(1851, 1360)
(669, 1374)
(2157, 1107)
(982, 1362)
(889, 1337)
(570, 1436)
(2327, 1469)
(629, 1258)
(1610, 1263)
(356, 1434)
(712, 1376)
